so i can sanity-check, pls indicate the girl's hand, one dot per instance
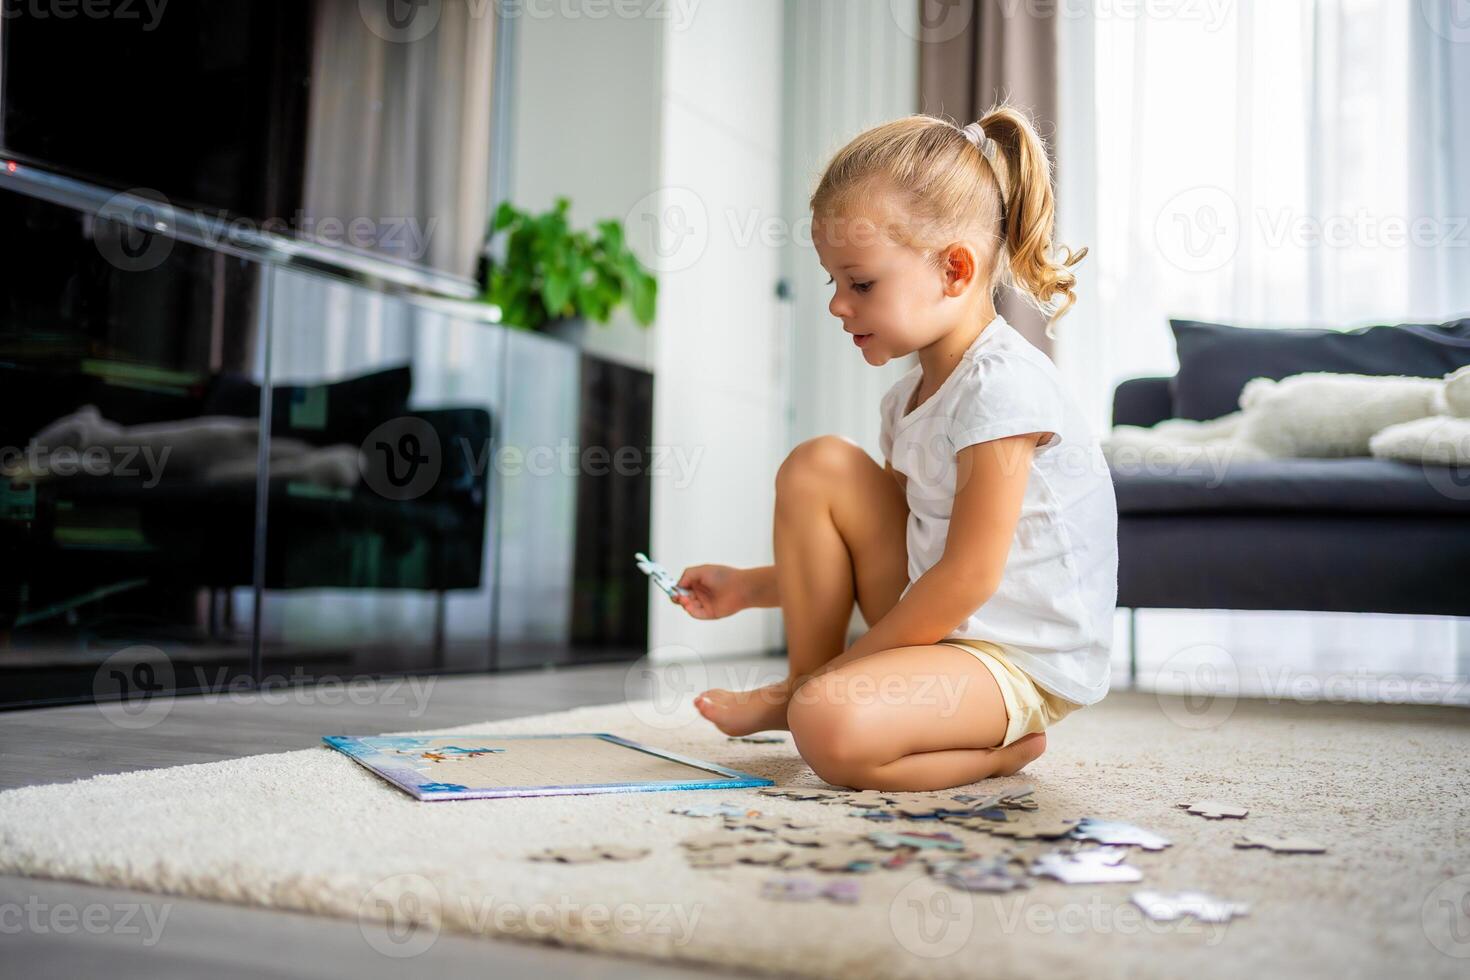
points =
(716, 591)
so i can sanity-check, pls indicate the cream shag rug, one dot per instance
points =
(312, 831)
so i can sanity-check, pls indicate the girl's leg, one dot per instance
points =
(911, 718)
(839, 536)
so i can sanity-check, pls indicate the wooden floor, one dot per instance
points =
(210, 939)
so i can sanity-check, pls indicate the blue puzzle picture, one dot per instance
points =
(471, 767)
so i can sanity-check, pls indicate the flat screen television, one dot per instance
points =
(356, 124)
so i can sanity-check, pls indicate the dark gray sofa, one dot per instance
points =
(1358, 534)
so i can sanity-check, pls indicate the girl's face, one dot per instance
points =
(888, 296)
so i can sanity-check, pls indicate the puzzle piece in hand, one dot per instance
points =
(1214, 809)
(659, 575)
(1117, 832)
(1033, 829)
(1162, 907)
(1096, 865)
(844, 891)
(723, 809)
(1283, 845)
(596, 852)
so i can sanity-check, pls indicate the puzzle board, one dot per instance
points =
(467, 767)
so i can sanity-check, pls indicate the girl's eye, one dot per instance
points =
(861, 287)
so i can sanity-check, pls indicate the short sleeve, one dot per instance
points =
(1007, 396)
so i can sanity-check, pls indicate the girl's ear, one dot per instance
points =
(960, 268)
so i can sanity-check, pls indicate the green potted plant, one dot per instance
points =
(553, 278)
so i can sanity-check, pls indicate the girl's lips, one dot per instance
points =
(861, 338)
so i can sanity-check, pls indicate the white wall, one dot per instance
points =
(586, 125)
(850, 64)
(704, 128)
(717, 394)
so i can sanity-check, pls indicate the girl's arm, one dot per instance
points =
(990, 484)
(760, 587)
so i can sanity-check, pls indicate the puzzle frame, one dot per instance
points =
(388, 756)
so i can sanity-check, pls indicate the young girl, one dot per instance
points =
(983, 554)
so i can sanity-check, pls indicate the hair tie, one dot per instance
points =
(975, 133)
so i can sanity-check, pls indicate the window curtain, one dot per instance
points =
(1287, 163)
(1283, 163)
(973, 53)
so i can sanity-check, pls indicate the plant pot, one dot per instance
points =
(570, 329)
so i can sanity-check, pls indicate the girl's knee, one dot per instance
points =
(831, 735)
(816, 461)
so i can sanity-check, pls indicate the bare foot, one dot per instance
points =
(745, 712)
(1019, 754)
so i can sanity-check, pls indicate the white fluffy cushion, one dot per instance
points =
(1438, 439)
(1327, 415)
(1457, 393)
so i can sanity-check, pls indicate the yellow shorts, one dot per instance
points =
(1029, 706)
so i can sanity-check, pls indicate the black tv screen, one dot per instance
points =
(309, 115)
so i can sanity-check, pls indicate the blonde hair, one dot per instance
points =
(947, 184)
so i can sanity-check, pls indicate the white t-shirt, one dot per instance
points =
(1053, 609)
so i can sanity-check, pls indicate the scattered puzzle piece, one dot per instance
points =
(721, 838)
(1117, 832)
(761, 854)
(1283, 845)
(1042, 828)
(1096, 865)
(870, 798)
(722, 809)
(1162, 907)
(769, 824)
(804, 793)
(983, 820)
(721, 857)
(888, 841)
(1214, 809)
(989, 874)
(595, 852)
(844, 891)
(817, 838)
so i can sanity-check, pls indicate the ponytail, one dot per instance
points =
(1028, 212)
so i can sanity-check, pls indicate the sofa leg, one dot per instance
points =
(1132, 649)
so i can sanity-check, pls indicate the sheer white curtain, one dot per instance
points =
(1281, 163)
(1268, 163)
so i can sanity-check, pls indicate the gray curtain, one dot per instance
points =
(973, 53)
(399, 131)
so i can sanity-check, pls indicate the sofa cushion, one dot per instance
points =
(1355, 485)
(1215, 360)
